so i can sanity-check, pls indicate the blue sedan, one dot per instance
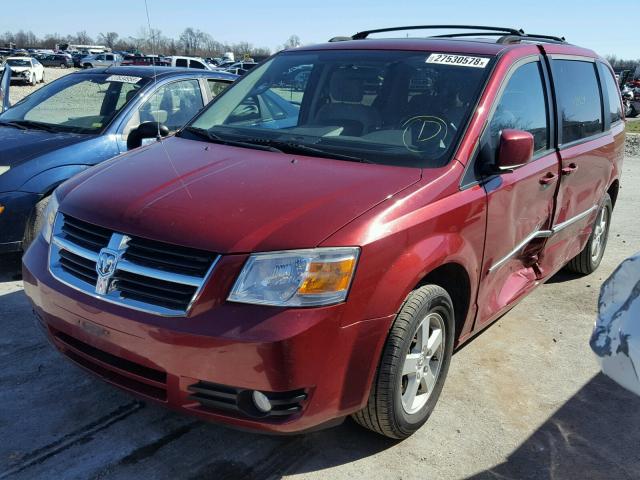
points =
(83, 119)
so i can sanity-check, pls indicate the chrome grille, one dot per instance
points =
(147, 275)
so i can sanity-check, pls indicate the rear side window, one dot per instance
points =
(181, 62)
(578, 96)
(612, 93)
(523, 106)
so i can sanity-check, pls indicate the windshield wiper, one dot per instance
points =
(294, 147)
(213, 138)
(13, 124)
(35, 125)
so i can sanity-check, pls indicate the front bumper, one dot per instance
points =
(13, 220)
(301, 354)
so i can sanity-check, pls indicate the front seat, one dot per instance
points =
(346, 110)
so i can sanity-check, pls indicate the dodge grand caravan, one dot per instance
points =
(297, 255)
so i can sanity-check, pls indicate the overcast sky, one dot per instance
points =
(605, 26)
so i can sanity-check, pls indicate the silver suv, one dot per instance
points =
(101, 60)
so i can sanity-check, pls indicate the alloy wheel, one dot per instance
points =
(422, 364)
(599, 234)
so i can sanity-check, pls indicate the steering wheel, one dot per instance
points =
(421, 133)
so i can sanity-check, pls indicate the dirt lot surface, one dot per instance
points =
(17, 91)
(524, 400)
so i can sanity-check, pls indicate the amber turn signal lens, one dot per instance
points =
(1, 208)
(325, 277)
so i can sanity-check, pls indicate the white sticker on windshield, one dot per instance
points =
(123, 79)
(458, 60)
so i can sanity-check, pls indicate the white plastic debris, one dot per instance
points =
(616, 336)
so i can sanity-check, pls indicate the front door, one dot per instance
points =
(520, 204)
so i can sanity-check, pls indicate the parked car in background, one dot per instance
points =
(83, 119)
(240, 68)
(25, 69)
(100, 60)
(56, 60)
(77, 59)
(188, 62)
(139, 60)
(279, 270)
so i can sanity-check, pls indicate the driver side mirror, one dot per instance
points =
(515, 149)
(146, 130)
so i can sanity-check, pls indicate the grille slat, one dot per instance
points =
(169, 257)
(79, 265)
(150, 275)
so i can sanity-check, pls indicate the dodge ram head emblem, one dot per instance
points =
(106, 267)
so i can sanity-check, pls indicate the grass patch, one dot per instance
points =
(633, 127)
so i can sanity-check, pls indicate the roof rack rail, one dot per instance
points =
(506, 35)
(504, 30)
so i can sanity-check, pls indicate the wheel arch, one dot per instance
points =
(454, 278)
(613, 191)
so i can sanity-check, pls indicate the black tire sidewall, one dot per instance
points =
(442, 305)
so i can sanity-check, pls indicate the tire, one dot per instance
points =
(633, 113)
(34, 223)
(588, 260)
(42, 79)
(390, 410)
(33, 80)
(63, 65)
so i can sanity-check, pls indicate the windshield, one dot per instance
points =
(80, 103)
(388, 107)
(19, 63)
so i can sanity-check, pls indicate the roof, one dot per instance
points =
(474, 46)
(158, 72)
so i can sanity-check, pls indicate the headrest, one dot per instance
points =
(346, 86)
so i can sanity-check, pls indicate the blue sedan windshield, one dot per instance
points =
(80, 103)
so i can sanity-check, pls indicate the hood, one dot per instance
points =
(20, 69)
(18, 146)
(229, 199)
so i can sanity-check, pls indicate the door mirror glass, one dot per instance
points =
(515, 149)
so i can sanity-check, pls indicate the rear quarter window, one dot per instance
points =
(611, 93)
(578, 97)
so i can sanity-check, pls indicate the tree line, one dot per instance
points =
(193, 42)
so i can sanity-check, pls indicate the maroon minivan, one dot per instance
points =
(319, 240)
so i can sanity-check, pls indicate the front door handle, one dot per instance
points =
(549, 178)
(568, 170)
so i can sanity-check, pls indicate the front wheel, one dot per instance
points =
(591, 255)
(414, 365)
(33, 81)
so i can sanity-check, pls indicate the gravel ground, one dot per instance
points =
(524, 400)
(18, 91)
(632, 145)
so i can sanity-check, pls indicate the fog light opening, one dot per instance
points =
(261, 402)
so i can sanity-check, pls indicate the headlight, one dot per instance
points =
(49, 217)
(4, 169)
(297, 278)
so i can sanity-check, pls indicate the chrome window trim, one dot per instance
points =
(537, 233)
(113, 297)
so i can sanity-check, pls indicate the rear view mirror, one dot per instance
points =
(515, 149)
(146, 130)
(5, 81)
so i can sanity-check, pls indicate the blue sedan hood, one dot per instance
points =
(18, 146)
